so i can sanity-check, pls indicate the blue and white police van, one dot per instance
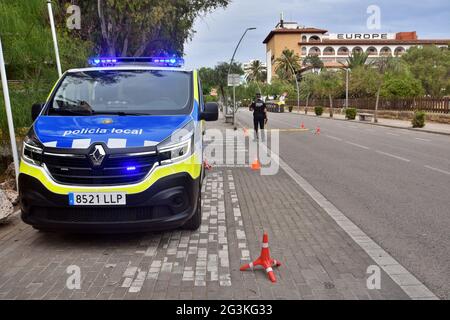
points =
(117, 147)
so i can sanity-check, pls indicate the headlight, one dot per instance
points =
(32, 151)
(178, 146)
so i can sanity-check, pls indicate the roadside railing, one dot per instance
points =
(431, 105)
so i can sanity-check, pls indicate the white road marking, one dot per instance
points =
(420, 139)
(334, 138)
(392, 134)
(438, 170)
(392, 156)
(357, 145)
(414, 288)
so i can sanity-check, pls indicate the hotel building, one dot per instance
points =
(334, 48)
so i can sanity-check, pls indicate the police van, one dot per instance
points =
(117, 147)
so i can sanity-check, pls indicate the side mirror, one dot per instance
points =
(211, 112)
(36, 110)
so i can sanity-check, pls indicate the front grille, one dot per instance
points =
(92, 215)
(116, 169)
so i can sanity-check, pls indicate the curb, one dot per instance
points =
(376, 124)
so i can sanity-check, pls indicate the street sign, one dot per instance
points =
(234, 80)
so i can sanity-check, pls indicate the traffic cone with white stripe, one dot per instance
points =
(264, 260)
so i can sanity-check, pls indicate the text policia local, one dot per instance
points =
(103, 131)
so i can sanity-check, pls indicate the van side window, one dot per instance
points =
(200, 94)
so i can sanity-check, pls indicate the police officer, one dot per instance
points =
(259, 115)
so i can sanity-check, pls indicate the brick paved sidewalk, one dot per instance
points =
(320, 261)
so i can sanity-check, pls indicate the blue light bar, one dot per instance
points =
(171, 62)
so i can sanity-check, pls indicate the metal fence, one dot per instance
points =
(432, 105)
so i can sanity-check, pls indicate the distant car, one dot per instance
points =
(117, 147)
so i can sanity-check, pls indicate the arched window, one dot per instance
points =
(304, 38)
(304, 51)
(328, 51)
(399, 51)
(357, 50)
(314, 39)
(314, 51)
(343, 51)
(385, 52)
(372, 51)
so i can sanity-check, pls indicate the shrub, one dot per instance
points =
(318, 111)
(418, 120)
(350, 113)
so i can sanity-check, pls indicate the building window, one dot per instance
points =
(343, 51)
(328, 51)
(385, 52)
(399, 51)
(314, 51)
(304, 39)
(357, 50)
(304, 51)
(372, 51)
(314, 39)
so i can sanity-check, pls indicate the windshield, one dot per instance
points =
(123, 92)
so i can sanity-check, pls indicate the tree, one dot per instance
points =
(364, 82)
(313, 61)
(357, 59)
(384, 65)
(308, 86)
(430, 65)
(287, 65)
(221, 76)
(144, 27)
(208, 77)
(257, 72)
(329, 84)
(401, 85)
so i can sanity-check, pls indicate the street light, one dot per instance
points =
(296, 81)
(229, 70)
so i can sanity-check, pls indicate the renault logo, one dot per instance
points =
(98, 155)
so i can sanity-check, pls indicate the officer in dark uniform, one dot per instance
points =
(259, 115)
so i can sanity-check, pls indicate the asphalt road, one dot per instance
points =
(393, 183)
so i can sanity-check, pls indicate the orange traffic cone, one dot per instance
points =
(302, 126)
(256, 165)
(264, 260)
(318, 130)
(206, 165)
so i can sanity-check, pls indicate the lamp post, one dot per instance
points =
(296, 81)
(55, 40)
(9, 116)
(229, 70)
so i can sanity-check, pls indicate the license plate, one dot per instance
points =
(97, 199)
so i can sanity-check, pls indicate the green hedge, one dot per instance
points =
(318, 111)
(418, 120)
(350, 113)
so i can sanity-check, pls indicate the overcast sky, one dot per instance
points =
(218, 33)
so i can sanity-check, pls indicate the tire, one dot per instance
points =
(196, 220)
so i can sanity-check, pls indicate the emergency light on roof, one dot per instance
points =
(152, 61)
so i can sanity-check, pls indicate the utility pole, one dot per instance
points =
(9, 116)
(55, 40)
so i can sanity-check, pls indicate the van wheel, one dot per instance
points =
(196, 220)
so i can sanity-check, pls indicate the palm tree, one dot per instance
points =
(287, 64)
(256, 72)
(357, 59)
